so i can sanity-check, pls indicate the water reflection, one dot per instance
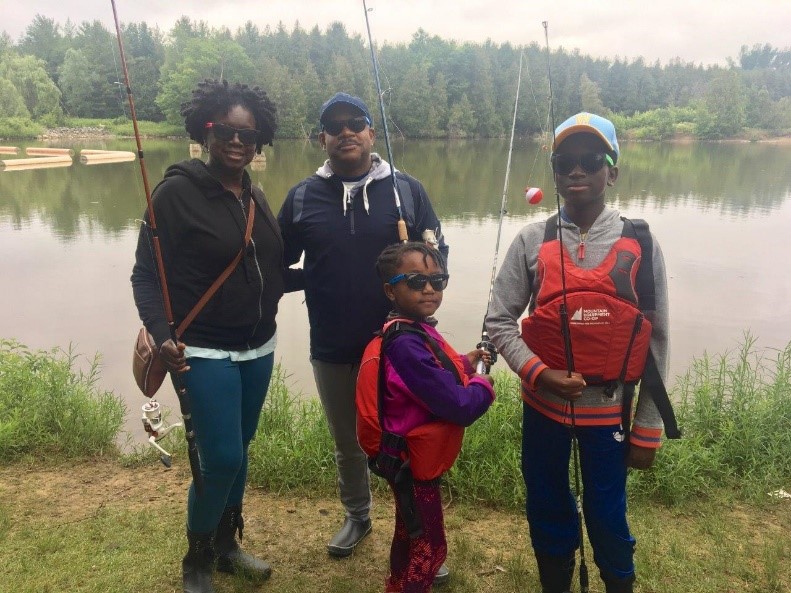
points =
(464, 178)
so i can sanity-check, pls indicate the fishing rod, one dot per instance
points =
(485, 344)
(566, 331)
(402, 232)
(178, 383)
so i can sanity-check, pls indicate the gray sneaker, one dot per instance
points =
(351, 534)
(442, 576)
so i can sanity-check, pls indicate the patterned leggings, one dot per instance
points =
(415, 562)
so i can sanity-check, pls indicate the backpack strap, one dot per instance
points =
(636, 228)
(407, 201)
(551, 229)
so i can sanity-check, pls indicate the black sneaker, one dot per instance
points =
(351, 534)
(442, 576)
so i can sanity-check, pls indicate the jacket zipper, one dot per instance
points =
(257, 267)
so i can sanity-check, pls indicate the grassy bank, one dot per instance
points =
(75, 515)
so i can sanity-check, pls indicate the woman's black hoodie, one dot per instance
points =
(201, 228)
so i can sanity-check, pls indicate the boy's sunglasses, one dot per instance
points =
(226, 133)
(591, 162)
(355, 124)
(418, 281)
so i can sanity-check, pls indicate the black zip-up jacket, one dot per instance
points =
(201, 228)
(344, 296)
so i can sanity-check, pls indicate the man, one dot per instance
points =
(341, 218)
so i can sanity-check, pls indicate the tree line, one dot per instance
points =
(433, 88)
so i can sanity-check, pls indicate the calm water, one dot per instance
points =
(721, 213)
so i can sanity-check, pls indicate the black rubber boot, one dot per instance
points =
(198, 564)
(230, 557)
(555, 572)
(614, 585)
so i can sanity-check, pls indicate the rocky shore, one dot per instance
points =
(81, 132)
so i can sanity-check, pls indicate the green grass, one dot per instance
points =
(122, 126)
(75, 515)
(47, 408)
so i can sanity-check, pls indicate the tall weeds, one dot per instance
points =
(48, 408)
(735, 413)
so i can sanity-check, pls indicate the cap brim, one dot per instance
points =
(340, 102)
(577, 129)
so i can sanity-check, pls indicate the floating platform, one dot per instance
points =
(105, 157)
(9, 150)
(43, 151)
(44, 162)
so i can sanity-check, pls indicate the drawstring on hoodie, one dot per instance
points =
(348, 195)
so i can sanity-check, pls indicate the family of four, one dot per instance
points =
(386, 378)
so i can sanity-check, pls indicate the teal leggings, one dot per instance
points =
(226, 399)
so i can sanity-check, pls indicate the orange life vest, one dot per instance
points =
(431, 448)
(610, 336)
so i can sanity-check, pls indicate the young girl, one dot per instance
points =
(413, 402)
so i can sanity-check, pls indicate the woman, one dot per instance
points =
(225, 356)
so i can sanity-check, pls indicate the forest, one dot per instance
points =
(57, 74)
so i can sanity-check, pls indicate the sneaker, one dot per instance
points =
(442, 576)
(351, 534)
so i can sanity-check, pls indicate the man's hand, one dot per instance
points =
(640, 457)
(560, 384)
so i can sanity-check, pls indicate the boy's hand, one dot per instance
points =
(172, 356)
(640, 457)
(560, 384)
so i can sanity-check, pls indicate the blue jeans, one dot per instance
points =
(226, 399)
(551, 510)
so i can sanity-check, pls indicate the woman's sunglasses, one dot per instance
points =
(226, 133)
(591, 162)
(355, 124)
(418, 281)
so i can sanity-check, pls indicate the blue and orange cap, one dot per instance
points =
(590, 123)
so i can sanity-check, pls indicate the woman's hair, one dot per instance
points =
(213, 97)
(388, 261)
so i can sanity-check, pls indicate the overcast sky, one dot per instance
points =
(700, 31)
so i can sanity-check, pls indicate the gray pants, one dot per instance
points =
(336, 384)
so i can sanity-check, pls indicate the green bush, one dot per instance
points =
(19, 127)
(49, 409)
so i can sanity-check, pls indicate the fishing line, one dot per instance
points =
(485, 343)
(402, 232)
(181, 390)
(566, 331)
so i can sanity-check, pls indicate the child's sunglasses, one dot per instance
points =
(355, 124)
(226, 133)
(591, 162)
(418, 281)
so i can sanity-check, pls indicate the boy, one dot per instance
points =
(601, 254)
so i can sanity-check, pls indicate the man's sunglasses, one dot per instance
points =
(418, 281)
(591, 162)
(226, 133)
(355, 124)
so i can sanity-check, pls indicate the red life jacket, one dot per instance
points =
(610, 336)
(430, 448)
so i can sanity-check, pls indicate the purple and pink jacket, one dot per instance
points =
(418, 390)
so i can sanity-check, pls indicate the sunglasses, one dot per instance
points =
(355, 124)
(418, 281)
(226, 133)
(590, 162)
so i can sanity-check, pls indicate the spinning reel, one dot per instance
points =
(157, 429)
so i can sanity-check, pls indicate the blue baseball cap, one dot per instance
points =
(349, 100)
(592, 124)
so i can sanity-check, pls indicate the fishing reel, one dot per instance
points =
(482, 368)
(430, 238)
(156, 428)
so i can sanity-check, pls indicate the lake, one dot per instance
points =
(720, 211)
